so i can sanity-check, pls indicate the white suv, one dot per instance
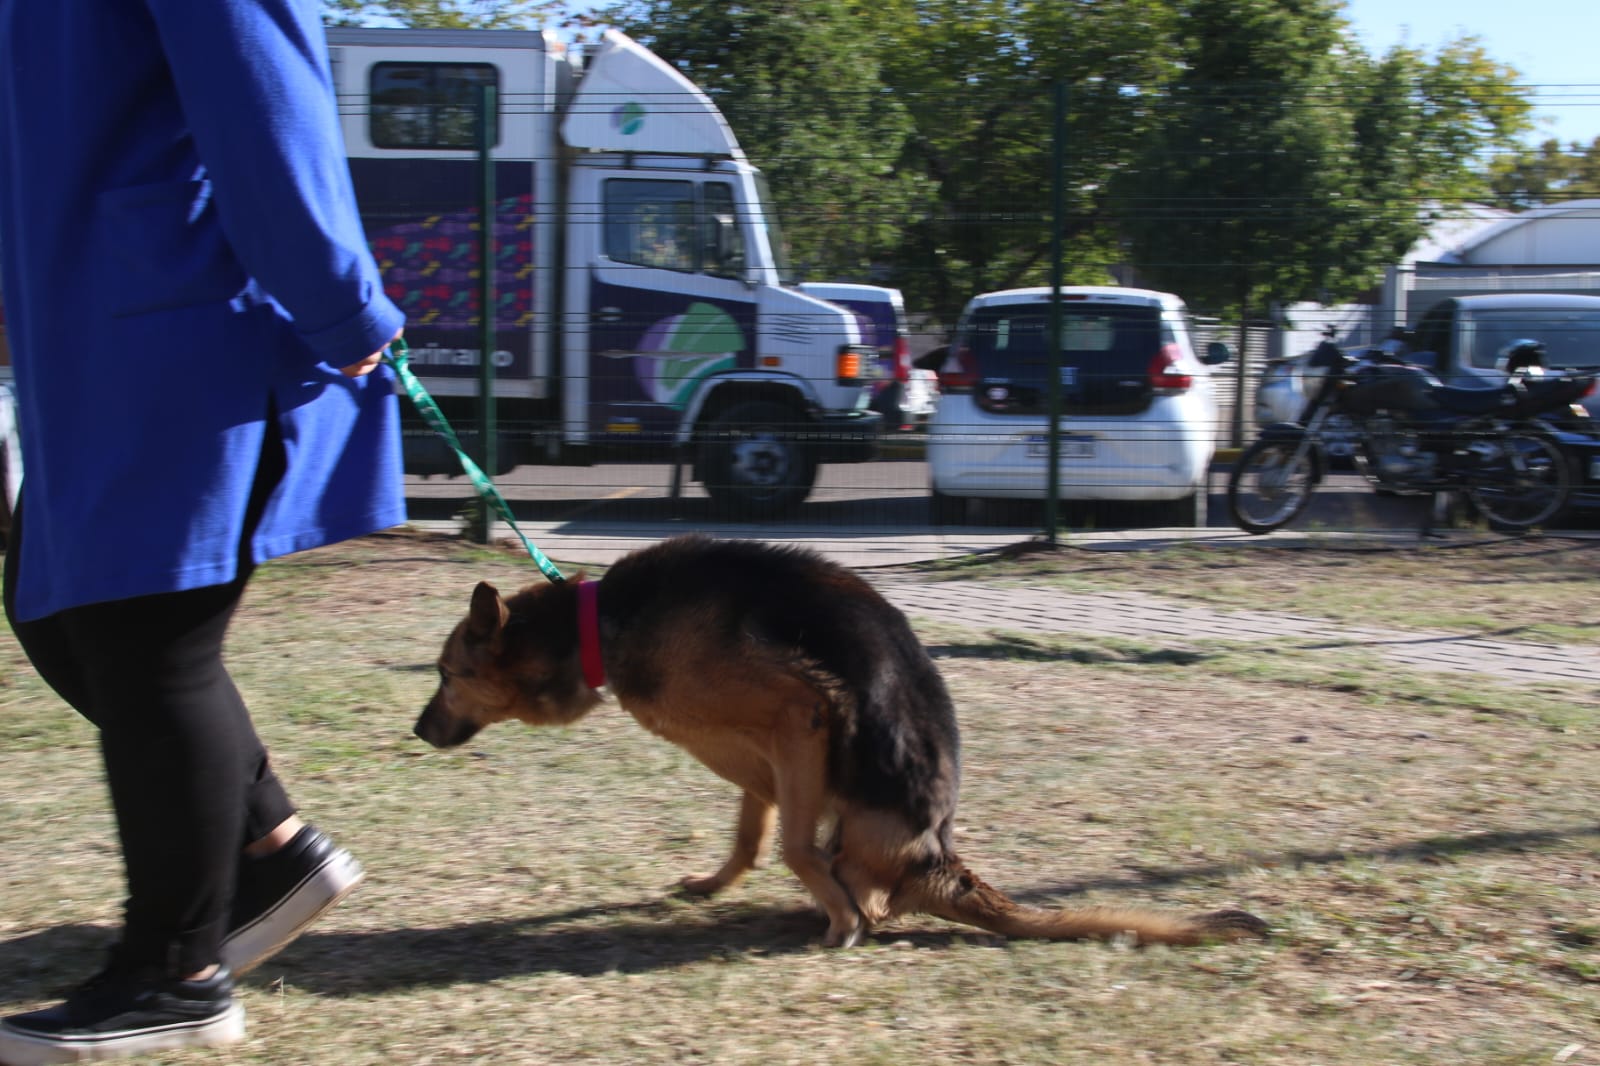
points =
(1139, 411)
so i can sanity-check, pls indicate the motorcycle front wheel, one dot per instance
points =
(1526, 484)
(1270, 485)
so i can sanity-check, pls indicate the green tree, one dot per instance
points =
(1547, 173)
(1289, 166)
(977, 77)
(805, 100)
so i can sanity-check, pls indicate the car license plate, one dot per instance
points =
(1073, 446)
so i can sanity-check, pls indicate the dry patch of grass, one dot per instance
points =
(1428, 854)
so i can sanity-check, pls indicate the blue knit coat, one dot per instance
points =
(182, 260)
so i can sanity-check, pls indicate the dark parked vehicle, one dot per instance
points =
(1468, 342)
(1503, 447)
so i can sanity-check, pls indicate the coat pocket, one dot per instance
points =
(168, 242)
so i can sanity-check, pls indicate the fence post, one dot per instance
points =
(486, 297)
(1058, 144)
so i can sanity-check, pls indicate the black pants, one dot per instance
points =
(189, 779)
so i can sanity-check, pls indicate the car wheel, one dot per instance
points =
(946, 510)
(1186, 512)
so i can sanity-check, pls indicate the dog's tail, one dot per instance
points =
(951, 891)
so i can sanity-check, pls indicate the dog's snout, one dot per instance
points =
(439, 727)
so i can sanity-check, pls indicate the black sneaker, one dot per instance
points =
(279, 895)
(121, 1012)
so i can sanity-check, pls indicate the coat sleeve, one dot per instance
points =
(255, 86)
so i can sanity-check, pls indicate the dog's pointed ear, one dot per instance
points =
(488, 613)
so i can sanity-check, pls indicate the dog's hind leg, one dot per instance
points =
(802, 802)
(756, 819)
(872, 851)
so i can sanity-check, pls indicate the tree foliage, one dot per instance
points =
(1545, 174)
(978, 77)
(1291, 166)
(447, 14)
(1243, 184)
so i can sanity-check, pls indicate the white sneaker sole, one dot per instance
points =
(21, 1049)
(253, 944)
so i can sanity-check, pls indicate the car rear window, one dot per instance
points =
(1106, 351)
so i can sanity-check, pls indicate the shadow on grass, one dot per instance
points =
(1429, 849)
(634, 938)
(582, 942)
(1019, 649)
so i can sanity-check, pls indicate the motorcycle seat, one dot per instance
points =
(1464, 401)
(1538, 394)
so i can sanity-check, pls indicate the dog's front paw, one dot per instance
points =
(702, 886)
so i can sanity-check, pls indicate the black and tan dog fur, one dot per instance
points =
(791, 677)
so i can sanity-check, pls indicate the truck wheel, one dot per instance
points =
(753, 466)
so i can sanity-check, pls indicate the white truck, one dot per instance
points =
(642, 299)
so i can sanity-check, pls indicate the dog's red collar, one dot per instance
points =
(594, 669)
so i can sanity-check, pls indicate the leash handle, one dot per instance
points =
(397, 356)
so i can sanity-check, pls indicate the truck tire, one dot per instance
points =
(753, 467)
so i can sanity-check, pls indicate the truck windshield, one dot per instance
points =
(768, 220)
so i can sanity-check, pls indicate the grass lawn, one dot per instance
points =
(1426, 848)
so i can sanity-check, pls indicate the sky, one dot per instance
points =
(1553, 44)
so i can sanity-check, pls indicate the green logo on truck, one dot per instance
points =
(628, 118)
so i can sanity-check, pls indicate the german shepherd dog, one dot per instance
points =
(791, 677)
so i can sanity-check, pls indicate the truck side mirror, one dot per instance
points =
(725, 252)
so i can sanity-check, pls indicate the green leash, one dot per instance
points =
(397, 357)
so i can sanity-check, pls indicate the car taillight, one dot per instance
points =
(1166, 379)
(960, 371)
(902, 359)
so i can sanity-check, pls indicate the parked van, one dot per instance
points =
(881, 314)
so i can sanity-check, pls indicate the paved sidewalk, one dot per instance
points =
(1135, 615)
(603, 543)
(1142, 615)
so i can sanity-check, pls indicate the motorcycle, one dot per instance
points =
(1501, 447)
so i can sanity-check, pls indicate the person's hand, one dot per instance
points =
(370, 363)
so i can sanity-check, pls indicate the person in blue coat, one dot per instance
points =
(196, 327)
